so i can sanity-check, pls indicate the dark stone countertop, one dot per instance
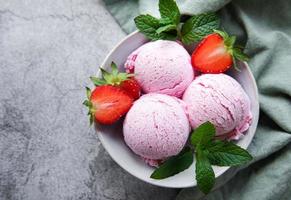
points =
(48, 49)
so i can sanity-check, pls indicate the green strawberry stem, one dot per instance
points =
(114, 78)
(89, 105)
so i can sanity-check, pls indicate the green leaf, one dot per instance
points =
(204, 173)
(203, 134)
(223, 34)
(174, 165)
(239, 54)
(229, 42)
(223, 153)
(106, 75)
(198, 26)
(166, 28)
(121, 77)
(88, 92)
(114, 69)
(87, 103)
(148, 25)
(169, 9)
(165, 21)
(91, 119)
(97, 81)
(168, 36)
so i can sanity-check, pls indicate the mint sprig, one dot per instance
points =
(205, 176)
(174, 165)
(198, 26)
(208, 152)
(148, 25)
(170, 27)
(203, 134)
(166, 28)
(169, 9)
(227, 154)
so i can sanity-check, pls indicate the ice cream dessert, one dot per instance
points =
(220, 99)
(162, 104)
(161, 67)
(156, 127)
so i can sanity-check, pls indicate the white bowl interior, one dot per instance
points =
(112, 138)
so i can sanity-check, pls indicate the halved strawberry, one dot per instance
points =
(122, 80)
(107, 104)
(216, 53)
(131, 87)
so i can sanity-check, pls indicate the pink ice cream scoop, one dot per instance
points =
(162, 67)
(156, 127)
(220, 99)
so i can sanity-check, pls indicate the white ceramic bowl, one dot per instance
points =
(112, 138)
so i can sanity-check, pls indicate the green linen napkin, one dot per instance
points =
(265, 27)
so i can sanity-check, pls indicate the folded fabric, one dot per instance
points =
(265, 27)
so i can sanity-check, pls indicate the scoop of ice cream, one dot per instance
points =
(156, 127)
(220, 99)
(161, 67)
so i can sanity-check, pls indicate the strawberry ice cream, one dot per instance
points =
(161, 67)
(220, 99)
(156, 127)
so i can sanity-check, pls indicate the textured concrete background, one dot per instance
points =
(48, 49)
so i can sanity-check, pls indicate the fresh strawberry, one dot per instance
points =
(216, 53)
(131, 87)
(107, 104)
(122, 80)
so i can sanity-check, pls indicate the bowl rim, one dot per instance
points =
(221, 170)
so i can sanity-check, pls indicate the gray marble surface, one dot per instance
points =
(48, 49)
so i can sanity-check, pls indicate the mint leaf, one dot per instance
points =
(203, 134)
(223, 153)
(169, 9)
(174, 165)
(198, 26)
(97, 81)
(148, 25)
(166, 28)
(204, 173)
(168, 36)
(165, 21)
